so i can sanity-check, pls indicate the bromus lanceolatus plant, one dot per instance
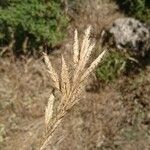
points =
(70, 83)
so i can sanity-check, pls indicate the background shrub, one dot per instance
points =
(139, 9)
(112, 67)
(38, 22)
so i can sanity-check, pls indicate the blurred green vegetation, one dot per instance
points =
(117, 62)
(113, 66)
(32, 22)
(139, 9)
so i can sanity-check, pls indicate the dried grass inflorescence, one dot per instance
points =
(69, 84)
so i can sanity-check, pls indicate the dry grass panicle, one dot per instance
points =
(69, 83)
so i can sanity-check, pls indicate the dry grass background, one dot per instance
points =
(115, 118)
(99, 13)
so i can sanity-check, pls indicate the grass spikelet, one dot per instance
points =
(76, 49)
(49, 110)
(85, 43)
(88, 54)
(51, 71)
(93, 66)
(83, 52)
(85, 59)
(65, 78)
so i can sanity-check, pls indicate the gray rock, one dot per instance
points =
(129, 33)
